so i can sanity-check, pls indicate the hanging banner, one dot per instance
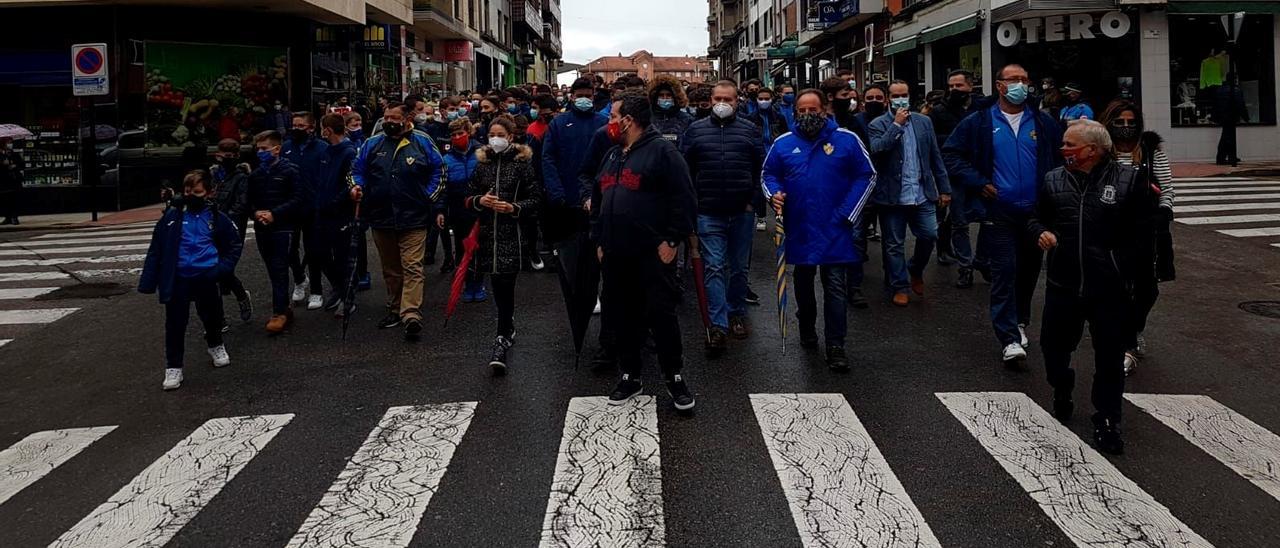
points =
(459, 50)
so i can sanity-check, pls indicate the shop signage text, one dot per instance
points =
(89, 70)
(1057, 28)
(459, 50)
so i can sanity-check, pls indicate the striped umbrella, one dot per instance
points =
(779, 238)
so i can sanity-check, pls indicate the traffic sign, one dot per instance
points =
(89, 72)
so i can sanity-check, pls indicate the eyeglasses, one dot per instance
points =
(1124, 123)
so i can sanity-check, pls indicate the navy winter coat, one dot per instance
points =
(564, 148)
(725, 158)
(333, 192)
(400, 181)
(278, 188)
(671, 124)
(309, 157)
(161, 266)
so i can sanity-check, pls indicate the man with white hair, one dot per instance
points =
(1086, 216)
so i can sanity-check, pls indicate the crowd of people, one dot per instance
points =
(654, 174)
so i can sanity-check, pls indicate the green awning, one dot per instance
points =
(950, 29)
(901, 46)
(1204, 7)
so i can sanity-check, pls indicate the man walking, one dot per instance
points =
(912, 182)
(725, 154)
(398, 175)
(279, 200)
(954, 243)
(308, 154)
(645, 210)
(1003, 154)
(564, 147)
(334, 212)
(820, 178)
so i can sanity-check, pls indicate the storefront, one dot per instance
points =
(931, 40)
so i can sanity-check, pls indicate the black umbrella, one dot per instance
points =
(579, 277)
(356, 233)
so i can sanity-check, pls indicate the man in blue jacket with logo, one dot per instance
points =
(564, 148)
(819, 178)
(1003, 153)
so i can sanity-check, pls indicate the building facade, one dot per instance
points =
(648, 66)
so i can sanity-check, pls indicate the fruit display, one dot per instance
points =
(193, 88)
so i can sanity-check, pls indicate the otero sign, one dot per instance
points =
(1057, 28)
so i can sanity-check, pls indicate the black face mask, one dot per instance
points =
(194, 204)
(841, 105)
(957, 99)
(810, 125)
(392, 129)
(299, 135)
(702, 113)
(874, 108)
(1127, 134)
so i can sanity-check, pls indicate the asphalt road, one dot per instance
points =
(911, 468)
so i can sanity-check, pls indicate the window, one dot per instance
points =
(471, 13)
(1201, 55)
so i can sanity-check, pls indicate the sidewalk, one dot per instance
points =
(1258, 169)
(150, 213)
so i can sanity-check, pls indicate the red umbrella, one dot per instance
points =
(469, 244)
(700, 281)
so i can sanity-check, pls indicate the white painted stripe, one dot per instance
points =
(86, 249)
(839, 486)
(607, 489)
(107, 273)
(380, 496)
(5, 341)
(64, 235)
(24, 292)
(113, 227)
(59, 261)
(32, 276)
(35, 315)
(1208, 184)
(1227, 190)
(1211, 208)
(78, 241)
(1093, 503)
(153, 507)
(1252, 232)
(1226, 198)
(1230, 219)
(1203, 179)
(25, 462)
(1245, 447)
(1275, 245)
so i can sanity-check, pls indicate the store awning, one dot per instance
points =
(1204, 7)
(903, 45)
(964, 24)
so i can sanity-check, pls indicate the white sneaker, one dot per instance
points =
(1015, 353)
(172, 379)
(220, 356)
(761, 224)
(315, 302)
(1130, 363)
(300, 291)
(597, 309)
(537, 263)
(1022, 333)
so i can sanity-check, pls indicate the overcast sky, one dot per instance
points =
(592, 28)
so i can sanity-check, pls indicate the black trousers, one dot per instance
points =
(504, 297)
(305, 242)
(230, 284)
(944, 232)
(274, 245)
(642, 296)
(331, 254)
(1065, 314)
(1227, 146)
(835, 311)
(202, 290)
(1146, 288)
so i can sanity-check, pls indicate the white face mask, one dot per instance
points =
(722, 110)
(499, 144)
(853, 105)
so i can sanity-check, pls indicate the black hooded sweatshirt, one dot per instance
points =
(644, 197)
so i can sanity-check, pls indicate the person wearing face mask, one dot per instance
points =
(432, 123)
(307, 153)
(547, 110)
(786, 98)
(771, 122)
(725, 154)
(1152, 243)
(954, 243)
(1000, 155)
(745, 103)
(490, 108)
(669, 99)
(874, 100)
(334, 213)
(355, 128)
(193, 247)
(565, 146)
(503, 189)
(700, 100)
(843, 106)
(819, 178)
(451, 213)
(280, 201)
(230, 178)
(645, 209)
(399, 175)
(1087, 216)
(912, 183)
(1077, 108)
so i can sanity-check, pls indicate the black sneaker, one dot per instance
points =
(965, 278)
(331, 303)
(681, 397)
(752, 298)
(498, 357)
(412, 328)
(627, 388)
(391, 320)
(808, 339)
(836, 359)
(717, 342)
(945, 259)
(246, 306)
(604, 358)
(856, 299)
(1106, 436)
(447, 267)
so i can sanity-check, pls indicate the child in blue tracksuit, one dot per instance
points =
(193, 246)
(460, 160)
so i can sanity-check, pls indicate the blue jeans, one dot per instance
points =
(1014, 258)
(894, 221)
(835, 317)
(725, 243)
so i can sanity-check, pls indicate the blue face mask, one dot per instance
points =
(451, 115)
(514, 109)
(266, 158)
(900, 102)
(666, 104)
(764, 104)
(583, 104)
(1016, 93)
(788, 98)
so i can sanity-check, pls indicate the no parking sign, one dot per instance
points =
(89, 70)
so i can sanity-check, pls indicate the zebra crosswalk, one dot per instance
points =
(607, 488)
(1233, 206)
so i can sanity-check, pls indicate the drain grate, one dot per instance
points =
(85, 291)
(1266, 309)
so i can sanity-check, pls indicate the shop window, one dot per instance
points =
(1202, 54)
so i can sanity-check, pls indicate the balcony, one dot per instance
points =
(435, 19)
(551, 41)
(551, 10)
(525, 13)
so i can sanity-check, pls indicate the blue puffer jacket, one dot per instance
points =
(461, 165)
(564, 147)
(725, 158)
(671, 124)
(970, 159)
(827, 182)
(161, 266)
(400, 181)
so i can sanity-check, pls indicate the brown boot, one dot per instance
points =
(917, 285)
(738, 328)
(901, 299)
(277, 323)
